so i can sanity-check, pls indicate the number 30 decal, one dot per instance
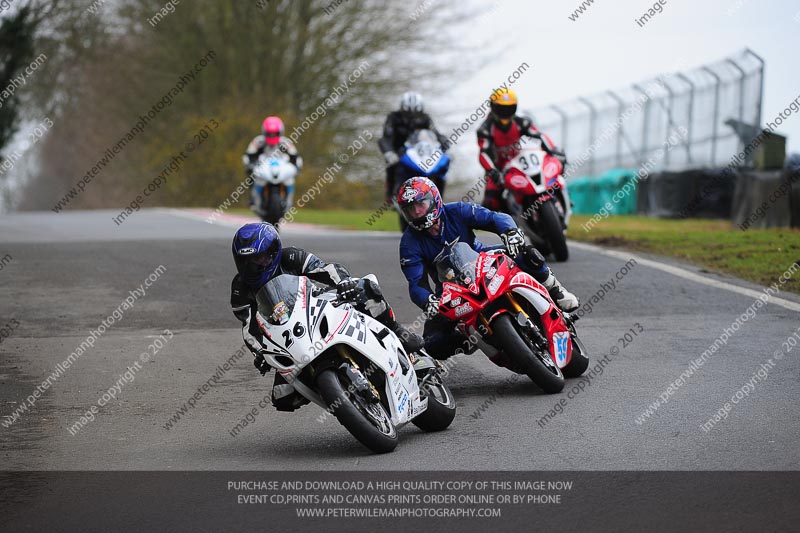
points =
(534, 161)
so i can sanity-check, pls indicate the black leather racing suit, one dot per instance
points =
(398, 127)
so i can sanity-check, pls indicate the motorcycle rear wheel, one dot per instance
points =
(547, 376)
(367, 422)
(441, 407)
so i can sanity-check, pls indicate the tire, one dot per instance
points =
(549, 379)
(553, 230)
(350, 412)
(441, 408)
(274, 211)
(580, 360)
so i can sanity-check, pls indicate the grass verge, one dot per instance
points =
(758, 255)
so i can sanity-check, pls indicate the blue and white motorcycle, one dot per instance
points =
(422, 156)
(273, 186)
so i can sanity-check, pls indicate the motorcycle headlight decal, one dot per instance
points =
(495, 284)
(280, 314)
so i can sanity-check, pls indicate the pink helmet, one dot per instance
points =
(273, 130)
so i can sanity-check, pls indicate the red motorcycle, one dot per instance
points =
(493, 300)
(536, 196)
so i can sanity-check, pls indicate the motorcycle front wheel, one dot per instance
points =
(367, 421)
(580, 359)
(273, 203)
(544, 373)
(553, 230)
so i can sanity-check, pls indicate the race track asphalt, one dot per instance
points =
(69, 271)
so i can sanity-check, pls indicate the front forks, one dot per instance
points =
(360, 383)
(527, 325)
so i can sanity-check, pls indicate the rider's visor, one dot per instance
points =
(504, 111)
(418, 209)
(257, 264)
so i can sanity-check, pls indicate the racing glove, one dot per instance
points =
(261, 364)
(432, 306)
(349, 290)
(513, 240)
(561, 156)
(495, 176)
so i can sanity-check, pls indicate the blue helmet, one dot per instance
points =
(257, 253)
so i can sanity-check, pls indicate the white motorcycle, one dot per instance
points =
(350, 364)
(273, 185)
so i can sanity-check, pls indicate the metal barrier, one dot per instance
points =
(716, 109)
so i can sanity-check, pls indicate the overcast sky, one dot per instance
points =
(606, 49)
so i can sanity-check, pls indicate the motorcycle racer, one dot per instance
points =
(398, 127)
(260, 256)
(271, 138)
(432, 225)
(499, 140)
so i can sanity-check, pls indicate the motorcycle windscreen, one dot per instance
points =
(276, 299)
(457, 265)
(424, 152)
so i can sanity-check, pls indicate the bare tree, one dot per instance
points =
(331, 71)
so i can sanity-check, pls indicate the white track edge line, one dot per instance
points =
(685, 274)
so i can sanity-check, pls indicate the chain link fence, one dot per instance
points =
(716, 108)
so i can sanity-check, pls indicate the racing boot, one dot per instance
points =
(538, 268)
(284, 396)
(411, 341)
(378, 308)
(565, 300)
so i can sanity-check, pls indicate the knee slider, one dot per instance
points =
(371, 288)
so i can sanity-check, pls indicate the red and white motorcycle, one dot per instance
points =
(536, 196)
(494, 301)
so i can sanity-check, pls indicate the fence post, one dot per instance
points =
(690, 125)
(564, 125)
(715, 125)
(761, 84)
(620, 111)
(670, 121)
(742, 76)
(645, 124)
(592, 118)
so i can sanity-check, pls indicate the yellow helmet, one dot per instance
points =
(504, 105)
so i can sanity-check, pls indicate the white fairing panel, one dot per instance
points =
(299, 341)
